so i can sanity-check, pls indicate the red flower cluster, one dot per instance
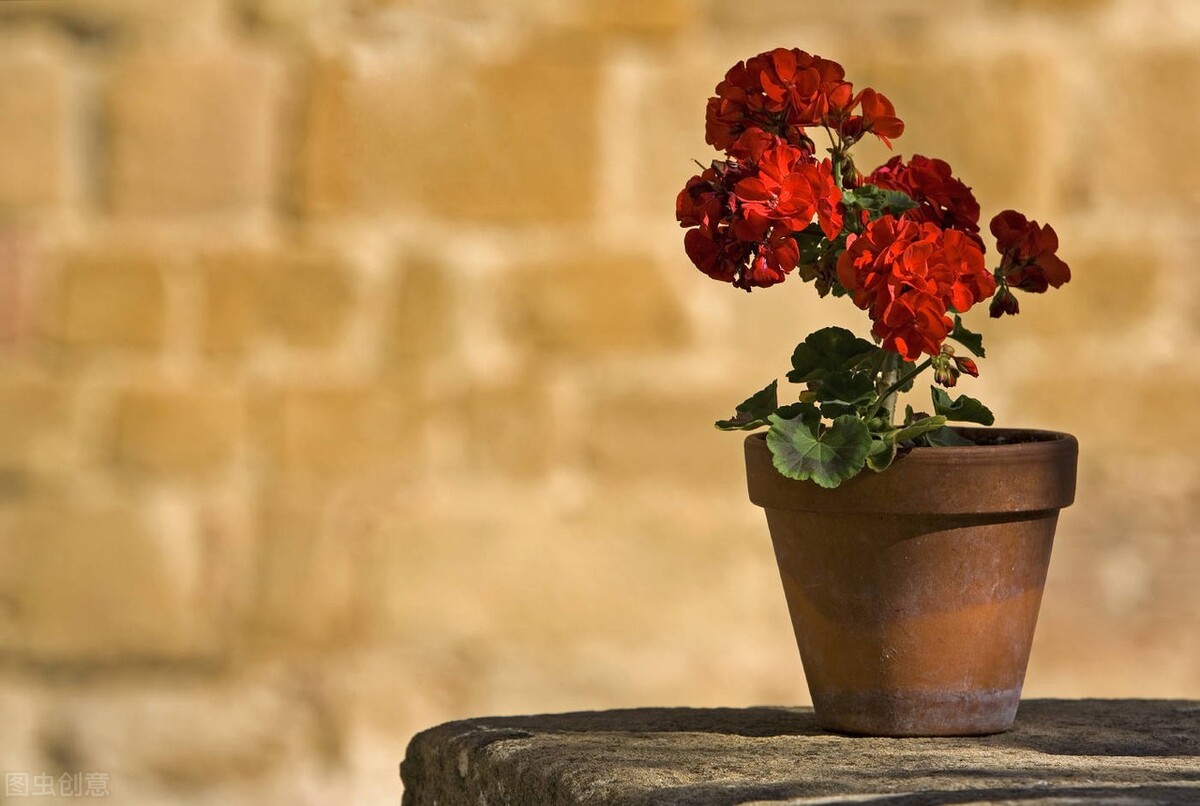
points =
(1027, 253)
(783, 91)
(792, 189)
(746, 209)
(942, 199)
(907, 275)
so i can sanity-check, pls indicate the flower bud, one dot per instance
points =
(946, 376)
(945, 369)
(968, 366)
(1004, 302)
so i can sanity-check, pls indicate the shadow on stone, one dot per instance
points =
(1106, 728)
(795, 795)
(754, 722)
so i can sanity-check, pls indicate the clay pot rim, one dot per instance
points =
(970, 479)
(1051, 444)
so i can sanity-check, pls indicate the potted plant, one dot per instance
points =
(912, 552)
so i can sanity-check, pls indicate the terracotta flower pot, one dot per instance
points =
(914, 592)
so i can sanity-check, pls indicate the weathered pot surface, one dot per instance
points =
(914, 593)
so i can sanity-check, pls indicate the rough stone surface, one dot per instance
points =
(298, 298)
(1133, 171)
(33, 417)
(1061, 751)
(586, 308)
(33, 117)
(92, 582)
(109, 298)
(176, 433)
(364, 124)
(191, 134)
(371, 425)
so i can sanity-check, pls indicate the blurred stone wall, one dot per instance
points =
(353, 377)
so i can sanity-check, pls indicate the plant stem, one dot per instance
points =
(888, 396)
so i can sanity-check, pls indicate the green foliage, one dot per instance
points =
(827, 351)
(804, 412)
(905, 368)
(834, 363)
(946, 437)
(887, 440)
(836, 428)
(881, 454)
(844, 392)
(972, 341)
(810, 241)
(803, 408)
(804, 450)
(962, 409)
(877, 201)
(753, 412)
(919, 428)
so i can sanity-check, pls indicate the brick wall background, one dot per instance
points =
(353, 377)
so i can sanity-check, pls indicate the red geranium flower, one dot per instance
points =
(717, 253)
(772, 260)
(751, 144)
(942, 199)
(707, 203)
(878, 115)
(1027, 250)
(745, 211)
(706, 199)
(784, 91)
(791, 189)
(908, 275)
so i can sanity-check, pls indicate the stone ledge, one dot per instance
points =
(1060, 751)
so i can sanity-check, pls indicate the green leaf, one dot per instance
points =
(809, 240)
(803, 409)
(825, 351)
(848, 387)
(907, 386)
(881, 454)
(946, 437)
(880, 425)
(843, 393)
(801, 450)
(972, 341)
(895, 201)
(877, 201)
(962, 409)
(919, 428)
(753, 412)
(835, 409)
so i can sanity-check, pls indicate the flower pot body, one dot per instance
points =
(914, 593)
